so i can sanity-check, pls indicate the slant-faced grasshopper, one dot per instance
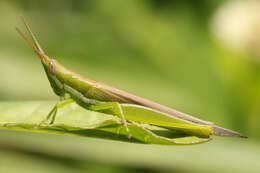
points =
(96, 96)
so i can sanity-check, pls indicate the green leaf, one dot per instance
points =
(74, 120)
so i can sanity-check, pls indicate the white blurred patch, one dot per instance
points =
(237, 24)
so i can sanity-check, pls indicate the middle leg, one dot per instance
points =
(115, 109)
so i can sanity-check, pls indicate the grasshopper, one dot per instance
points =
(100, 97)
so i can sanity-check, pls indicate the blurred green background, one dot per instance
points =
(167, 51)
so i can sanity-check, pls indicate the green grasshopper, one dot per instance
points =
(100, 97)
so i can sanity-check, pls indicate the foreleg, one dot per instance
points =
(52, 114)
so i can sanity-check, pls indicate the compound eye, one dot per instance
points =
(52, 67)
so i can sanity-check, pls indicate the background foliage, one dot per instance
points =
(161, 50)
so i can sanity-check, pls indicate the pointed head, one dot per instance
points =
(50, 65)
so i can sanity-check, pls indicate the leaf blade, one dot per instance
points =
(74, 120)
